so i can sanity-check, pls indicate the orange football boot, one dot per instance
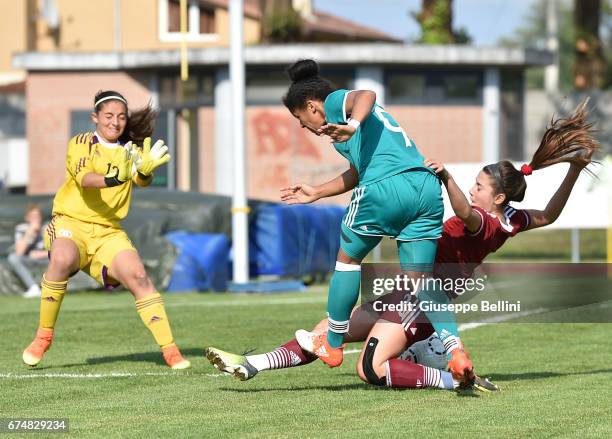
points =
(317, 344)
(174, 359)
(35, 352)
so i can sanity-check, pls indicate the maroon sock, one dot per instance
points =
(295, 350)
(289, 354)
(405, 374)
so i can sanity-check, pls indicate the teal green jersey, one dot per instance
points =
(379, 148)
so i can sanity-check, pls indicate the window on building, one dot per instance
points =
(207, 21)
(266, 87)
(512, 108)
(464, 86)
(433, 87)
(340, 77)
(80, 122)
(200, 21)
(12, 115)
(197, 90)
(406, 86)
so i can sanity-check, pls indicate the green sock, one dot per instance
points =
(419, 256)
(443, 322)
(342, 297)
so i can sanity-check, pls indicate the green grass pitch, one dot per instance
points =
(105, 374)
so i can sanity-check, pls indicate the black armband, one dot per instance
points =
(112, 181)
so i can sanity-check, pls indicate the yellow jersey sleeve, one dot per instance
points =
(78, 159)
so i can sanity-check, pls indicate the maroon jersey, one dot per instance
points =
(460, 252)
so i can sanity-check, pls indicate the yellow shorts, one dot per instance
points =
(98, 245)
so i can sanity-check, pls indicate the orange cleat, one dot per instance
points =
(318, 345)
(461, 366)
(174, 359)
(35, 352)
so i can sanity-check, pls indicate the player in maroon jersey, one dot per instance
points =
(480, 227)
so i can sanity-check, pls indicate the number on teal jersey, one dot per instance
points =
(380, 114)
(380, 148)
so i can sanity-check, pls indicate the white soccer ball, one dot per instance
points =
(429, 352)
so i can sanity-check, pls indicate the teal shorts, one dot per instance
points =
(406, 206)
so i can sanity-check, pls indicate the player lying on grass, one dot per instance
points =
(85, 231)
(479, 228)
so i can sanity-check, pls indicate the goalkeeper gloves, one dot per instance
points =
(151, 158)
(461, 366)
(122, 172)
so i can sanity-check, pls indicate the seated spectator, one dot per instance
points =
(29, 249)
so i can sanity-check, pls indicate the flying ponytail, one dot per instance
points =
(566, 140)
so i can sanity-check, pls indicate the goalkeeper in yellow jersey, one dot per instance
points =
(85, 232)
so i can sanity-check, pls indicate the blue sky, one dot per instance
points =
(485, 20)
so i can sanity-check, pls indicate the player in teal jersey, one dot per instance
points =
(394, 195)
(480, 226)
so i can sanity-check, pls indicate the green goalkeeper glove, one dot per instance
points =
(151, 158)
(121, 172)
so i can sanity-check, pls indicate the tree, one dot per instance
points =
(280, 23)
(590, 66)
(606, 32)
(436, 21)
(532, 34)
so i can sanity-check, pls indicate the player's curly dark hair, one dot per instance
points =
(306, 84)
(566, 140)
(140, 122)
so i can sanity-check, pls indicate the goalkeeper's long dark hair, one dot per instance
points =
(565, 140)
(140, 122)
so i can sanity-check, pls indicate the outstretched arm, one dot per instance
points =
(459, 203)
(303, 193)
(541, 218)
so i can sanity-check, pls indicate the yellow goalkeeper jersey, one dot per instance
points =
(106, 206)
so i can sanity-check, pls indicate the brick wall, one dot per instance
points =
(281, 153)
(206, 156)
(449, 133)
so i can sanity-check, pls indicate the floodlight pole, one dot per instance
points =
(240, 209)
(551, 72)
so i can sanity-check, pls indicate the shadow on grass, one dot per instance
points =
(541, 375)
(469, 393)
(140, 357)
(332, 387)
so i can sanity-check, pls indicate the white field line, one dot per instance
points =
(16, 376)
(472, 325)
(501, 319)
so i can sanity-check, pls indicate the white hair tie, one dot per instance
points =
(106, 98)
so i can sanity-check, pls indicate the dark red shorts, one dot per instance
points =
(402, 308)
